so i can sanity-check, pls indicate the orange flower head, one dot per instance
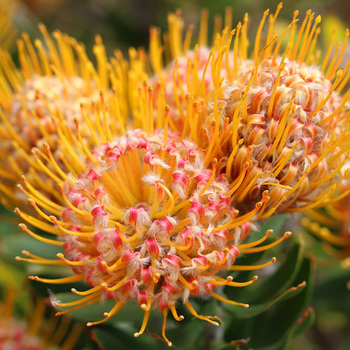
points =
(293, 134)
(145, 221)
(275, 121)
(50, 87)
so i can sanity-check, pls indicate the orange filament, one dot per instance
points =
(212, 177)
(68, 262)
(253, 244)
(76, 302)
(55, 165)
(171, 199)
(144, 324)
(93, 301)
(82, 143)
(186, 283)
(76, 278)
(116, 266)
(194, 313)
(227, 301)
(258, 34)
(228, 282)
(182, 247)
(40, 238)
(268, 246)
(175, 315)
(116, 286)
(69, 232)
(300, 35)
(325, 100)
(253, 267)
(37, 209)
(44, 167)
(165, 314)
(91, 290)
(41, 261)
(109, 314)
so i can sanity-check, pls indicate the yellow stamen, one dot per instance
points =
(194, 313)
(307, 40)
(212, 177)
(144, 324)
(187, 284)
(41, 261)
(253, 244)
(93, 301)
(266, 247)
(165, 314)
(258, 34)
(88, 234)
(39, 238)
(69, 262)
(253, 267)
(227, 301)
(333, 67)
(300, 36)
(76, 278)
(278, 45)
(325, 100)
(76, 302)
(171, 206)
(228, 282)
(182, 247)
(175, 315)
(116, 286)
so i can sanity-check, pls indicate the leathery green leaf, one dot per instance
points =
(270, 329)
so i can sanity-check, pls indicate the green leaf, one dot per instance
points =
(275, 223)
(131, 312)
(111, 338)
(243, 294)
(14, 245)
(189, 335)
(332, 287)
(270, 329)
(267, 288)
(256, 309)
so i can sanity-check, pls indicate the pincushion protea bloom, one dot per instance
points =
(144, 221)
(50, 85)
(34, 333)
(293, 124)
(275, 121)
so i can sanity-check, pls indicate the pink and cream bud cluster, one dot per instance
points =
(148, 222)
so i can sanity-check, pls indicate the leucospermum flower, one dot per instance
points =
(275, 121)
(144, 220)
(292, 121)
(51, 85)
